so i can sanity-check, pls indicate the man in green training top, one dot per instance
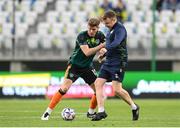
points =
(88, 43)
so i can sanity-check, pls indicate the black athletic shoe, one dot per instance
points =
(45, 116)
(90, 115)
(135, 113)
(99, 116)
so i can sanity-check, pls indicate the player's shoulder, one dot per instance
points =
(121, 27)
(82, 35)
(100, 34)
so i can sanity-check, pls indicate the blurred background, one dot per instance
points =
(38, 36)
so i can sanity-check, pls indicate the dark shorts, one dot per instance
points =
(88, 74)
(111, 73)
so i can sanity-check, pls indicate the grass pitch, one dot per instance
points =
(153, 113)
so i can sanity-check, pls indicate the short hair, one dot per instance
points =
(94, 22)
(109, 14)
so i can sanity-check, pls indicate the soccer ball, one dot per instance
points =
(68, 114)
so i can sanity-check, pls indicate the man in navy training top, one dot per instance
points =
(113, 69)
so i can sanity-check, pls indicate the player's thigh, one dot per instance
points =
(70, 76)
(89, 75)
(93, 87)
(100, 82)
(71, 73)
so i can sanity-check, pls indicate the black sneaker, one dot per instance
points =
(99, 116)
(90, 115)
(135, 113)
(45, 116)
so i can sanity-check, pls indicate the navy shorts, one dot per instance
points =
(111, 73)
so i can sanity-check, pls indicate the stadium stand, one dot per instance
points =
(49, 27)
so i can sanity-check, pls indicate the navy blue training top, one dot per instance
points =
(116, 45)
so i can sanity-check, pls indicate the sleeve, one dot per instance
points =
(81, 40)
(119, 37)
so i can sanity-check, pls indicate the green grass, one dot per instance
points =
(27, 113)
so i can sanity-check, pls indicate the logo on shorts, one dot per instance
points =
(71, 75)
(120, 70)
(116, 76)
(94, 72)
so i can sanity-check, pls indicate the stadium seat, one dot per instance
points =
(149, 16)
(61, 5)
(46, 43)
(171, 28)
(67, 17)
(20, 17)
(52, 16)
(133, 41)
(40, 6)
(130, 27)
(32, 42)
(145, 4)
(177, 16)
(89, 5)
(25, 5)
(146, 42)
(43, 28)
(166, 16)
(58, 44)
(159, 28)
(81, 17)
(7, 29)
(57, 29)
(162, 42)
(175, 42)
(21, 30)
(138, 16)
(3, 16)
(143, 28)
(8, 43)
(31, 17)
(75, 5)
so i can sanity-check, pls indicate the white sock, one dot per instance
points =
(49, 110)
(101, 109)
(133, 106)
(91, 111)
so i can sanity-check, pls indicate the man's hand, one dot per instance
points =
(101, 55)
(100, 58)
(102, 51)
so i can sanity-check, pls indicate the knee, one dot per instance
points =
(118, 92)
(97, 84)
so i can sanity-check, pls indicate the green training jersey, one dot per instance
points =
(78, 58)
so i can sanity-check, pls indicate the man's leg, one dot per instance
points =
(89, 76)
(93, 104)
(56, 98)
(100, 99)
(119, 91)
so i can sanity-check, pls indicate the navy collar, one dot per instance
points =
(114, 26)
